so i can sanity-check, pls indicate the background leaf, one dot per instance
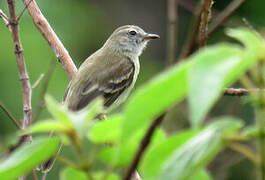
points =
(106, 131)
(154, 98)
(57, 110)
(155, 157)
(199, 150)
(206, 78)
(71, 174)
(201, 175)
(100, 174)
(47, 126)
(28, 157)
(218, 67)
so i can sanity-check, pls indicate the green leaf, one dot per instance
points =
(106, 131)
(251, 131)
(198, 151)
(27, 157)
(100, 174)
(123, 154)
(206, 77)
(154, 98)
(218, 67)
(57, 110)
(71, 174)
(200, 175)
(82, 119)
(251, 40)
(155, 157)
(47, 126)
(253, 51)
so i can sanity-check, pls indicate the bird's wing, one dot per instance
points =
(110, 82)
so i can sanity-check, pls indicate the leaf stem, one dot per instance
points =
(260, 119)
(67, 162)
(244, 150)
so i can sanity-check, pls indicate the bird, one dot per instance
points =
(110, 72)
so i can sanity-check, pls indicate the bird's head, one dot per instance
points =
(129, 40)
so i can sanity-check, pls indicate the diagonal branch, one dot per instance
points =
(22, 12)
(2, 106)
(44, 27)
(172, 23)
(144, 144)
(225, 15)
(205, 17)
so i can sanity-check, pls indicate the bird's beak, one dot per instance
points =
(151, 36)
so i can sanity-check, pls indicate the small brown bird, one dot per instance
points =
(111, 71)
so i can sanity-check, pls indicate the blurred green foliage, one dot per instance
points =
(181, 156)
(83, 26)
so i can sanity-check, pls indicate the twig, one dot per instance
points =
(37, 81)
(241, 91)
(22, 12)
(172, 22)
(260, 118)
(225, 15)
(205, 17)
(44, 27)
(245, 150)
(192, 35)
(23, 75)
(34, 175)
(5, 19)
(144, 143)
(43, 90)
(2, 106)
(44, 175)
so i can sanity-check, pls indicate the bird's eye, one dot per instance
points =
(133, 33)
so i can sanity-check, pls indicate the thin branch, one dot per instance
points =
(5, 19)
(37, 81)
(144, 144)
(172, 23)
(43, 90)
(205, 17)
(44, 27)
(245, 150)
(22, 12)
(23, 74)
(241, 91)
(225, 15)
(34, 175)
(44, 175)
(193, 33)
(2, 106)
(260, 119)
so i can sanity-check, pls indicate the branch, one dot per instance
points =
(43, 90)
(244, 150)
(205, 17)
(225, 15)
(241, 91)
(2, 106)
(23, 75)
(172, 22)
(37, 81)
(144, 143)
(44, 27)
(22, 12)
(192, 35)
(5, 19)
